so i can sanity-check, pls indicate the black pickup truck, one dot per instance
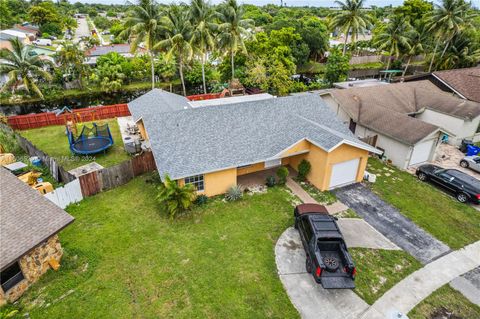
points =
(327, 259)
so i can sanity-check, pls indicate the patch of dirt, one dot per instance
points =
(444, 313)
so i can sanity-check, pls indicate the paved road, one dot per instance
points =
(82, 30)
(391, 223)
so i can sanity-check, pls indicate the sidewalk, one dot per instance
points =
(405, 295)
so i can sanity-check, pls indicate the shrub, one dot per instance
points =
(282, 174)
(270, 181)
(234, 193)
(175, 198)
(303, 169)
(201, 200)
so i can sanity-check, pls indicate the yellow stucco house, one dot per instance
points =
(212, 146)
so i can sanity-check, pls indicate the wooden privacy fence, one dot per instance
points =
(58, 173)
(66, 195)
(114, 176)
(29, 121)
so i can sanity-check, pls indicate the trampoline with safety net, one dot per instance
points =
(91, 140)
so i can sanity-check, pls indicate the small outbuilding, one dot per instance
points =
(29, 244)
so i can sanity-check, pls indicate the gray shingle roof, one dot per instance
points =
(157, 101)
(464, 81)
(207, 139)
(26, 218)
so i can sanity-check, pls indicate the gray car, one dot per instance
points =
(472, 162)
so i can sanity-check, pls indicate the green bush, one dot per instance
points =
(282, 174)
(303, 169)
(234, 193)
(270, 181)
(201, 200)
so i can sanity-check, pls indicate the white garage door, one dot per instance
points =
(344, 173)
(421, 152)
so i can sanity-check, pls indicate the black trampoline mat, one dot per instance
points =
(91, 144)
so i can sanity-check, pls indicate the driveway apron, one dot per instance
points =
(391, 223)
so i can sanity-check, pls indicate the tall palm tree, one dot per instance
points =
(351, 18)
(202, 16)
(71, 58)
(394, 38)
(463, 52)
(22, 66)
(233, 29)
(447, 20)
(178, 31)
(418, 36)
(142, 26)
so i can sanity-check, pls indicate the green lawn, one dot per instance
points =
(125, 259)
(380, 270)
(442, 302)
(454, 223)
(53, 141)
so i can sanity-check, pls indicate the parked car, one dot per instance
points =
(47, 42)
(327, 257)
(464, 187)
(472, 162)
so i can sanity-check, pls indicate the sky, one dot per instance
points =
(316, 3)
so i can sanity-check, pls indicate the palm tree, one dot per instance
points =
(71, 59)
(447, 20)
(22, 66)
(178, 31)
(142, 25)
(174, 197)
(233, 29)
(351, 18)
(202, 15)
(394, 38)
(463, 52)
(418, 36)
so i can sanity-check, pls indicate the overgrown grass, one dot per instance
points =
(349, 213)
(367, 66)
(325, 198)
(379, 270)
(53, 141)
(125, 259)
(442, 302)
(454, 223)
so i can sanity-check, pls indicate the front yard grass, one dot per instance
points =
(454, 223)
(53, 141)
(379, 270)
(125, 259)
(442, 302)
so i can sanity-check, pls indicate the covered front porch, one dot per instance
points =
(259, 178)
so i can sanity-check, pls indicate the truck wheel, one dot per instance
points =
(331, 264)
(464, 164)
(308, 265)
(462, 197)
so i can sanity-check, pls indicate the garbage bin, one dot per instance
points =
(465, 143)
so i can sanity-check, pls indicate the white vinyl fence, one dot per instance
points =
(69, 193)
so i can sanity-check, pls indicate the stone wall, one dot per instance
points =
(34, 264)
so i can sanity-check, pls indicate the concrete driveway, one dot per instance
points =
(310, 299)
(469, 285)
(391, 223)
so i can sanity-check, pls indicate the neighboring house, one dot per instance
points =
(25, 38)
(465, 83)
(406, 120)
(28, 236)
(28, 29)
(123, 49)
(211, 146)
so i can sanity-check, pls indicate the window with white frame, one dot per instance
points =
(196, 181)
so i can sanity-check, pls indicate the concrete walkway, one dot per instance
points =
(359, 233)
(299, 191)
(469, 285)
(405, 295)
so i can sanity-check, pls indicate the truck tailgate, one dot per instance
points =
(337, 283)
